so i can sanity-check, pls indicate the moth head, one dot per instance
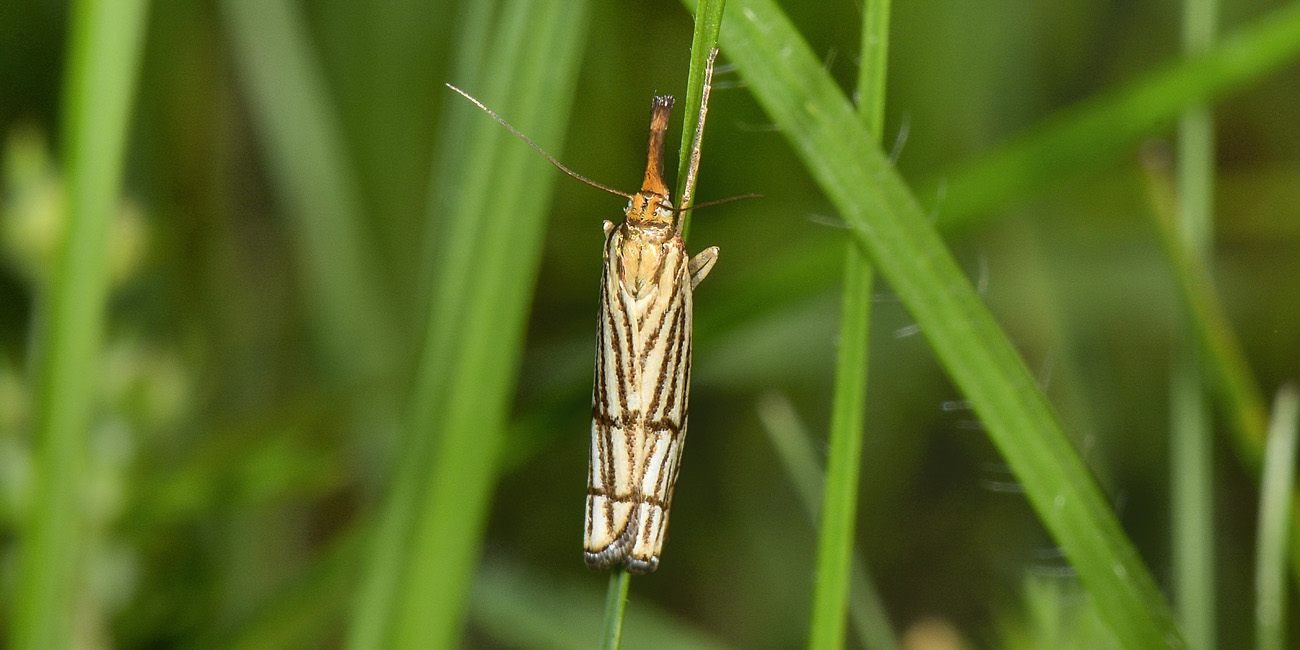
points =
(650, 210)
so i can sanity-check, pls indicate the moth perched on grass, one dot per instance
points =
(643, 357)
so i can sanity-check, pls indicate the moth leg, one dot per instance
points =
(701, 264)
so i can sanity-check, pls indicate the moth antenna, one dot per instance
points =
(532, 144)
(709, 204)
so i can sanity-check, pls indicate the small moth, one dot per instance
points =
(643, 357)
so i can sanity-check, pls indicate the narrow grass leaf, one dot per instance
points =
(704, 40)
(1191, 439)
(518, 608)
(426, 546)
(839, 506)
(708, 20)
(794, 446)
(313, 173)
(841, 155)
(611, 631)
(1276, 489)
(1099, 130)
(103, 63)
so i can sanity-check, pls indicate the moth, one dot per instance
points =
(643, 356)
(643, 371)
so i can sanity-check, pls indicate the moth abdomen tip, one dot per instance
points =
(641, 567)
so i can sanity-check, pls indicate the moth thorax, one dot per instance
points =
(650, 210)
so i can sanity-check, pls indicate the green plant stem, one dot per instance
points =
(838, 516)
(1108, 126)
(794, 446)
(104, 44)
(1276, 488)
(1191, 434)
(848, 405)
(611, 633)
(704, 38)
(1221, 355)
(838, 150)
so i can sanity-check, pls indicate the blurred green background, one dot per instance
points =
(279, 252)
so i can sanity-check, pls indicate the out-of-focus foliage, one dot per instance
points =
(248, 418)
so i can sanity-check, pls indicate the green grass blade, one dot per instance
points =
(794, 447)
(1220, 354)
(312, 172)
(838, 150)
(1191, 434)
(105, 40)
(426, 547)
(708, 20)
(839, 503)
(611, 634)
(1225, 362)
(1108, 126)
(1276, 489)
(474, 22)
(520, 609)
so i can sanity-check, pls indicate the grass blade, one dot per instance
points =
(1109, 125)
(839, 152)
(105, 40)
(312, 170)
(848, 404)
(795, 449)
(704, 38)
(426, 546)
(1191, 434)
(839, 503)
(520, 609)
(1276, 488)
(611, 635)
(508, 603)
(1222, 356)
